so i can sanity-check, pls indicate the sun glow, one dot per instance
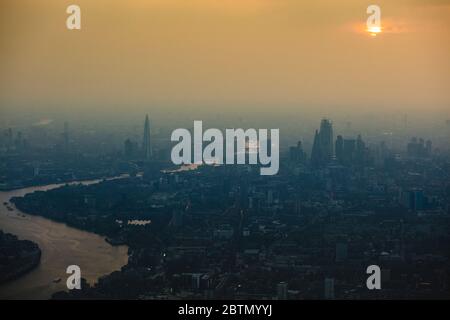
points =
(374, 31)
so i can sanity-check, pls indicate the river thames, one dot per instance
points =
(61, 246)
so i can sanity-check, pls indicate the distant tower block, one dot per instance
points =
(326, 139)
(146, 145)
(323, 148)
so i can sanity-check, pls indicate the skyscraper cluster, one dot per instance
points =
(345, 151)
(297, 154)
(350, 151)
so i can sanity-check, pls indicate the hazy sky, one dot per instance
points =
(270, 55)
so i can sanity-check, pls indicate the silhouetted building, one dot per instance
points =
(322, 151)
(339, 148)
(360, 150)
(326, 139)
(130, 148)
(296, 154)
(428, 147)
(351, 151)
(316, 152)
(146, 144)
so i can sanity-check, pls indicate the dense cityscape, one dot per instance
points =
(226, 232)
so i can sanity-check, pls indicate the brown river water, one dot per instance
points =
(61, 246)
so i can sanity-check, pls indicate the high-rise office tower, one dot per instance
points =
(322, 151)
(429, 147)
(360, 150)
(130, 148)
(349, 150)
(316, 153)
(326, 139)
(296, 154)
(146, 145)
(339, 148)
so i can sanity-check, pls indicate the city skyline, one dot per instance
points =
(176, 232)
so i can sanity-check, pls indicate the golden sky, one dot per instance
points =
(276, 55)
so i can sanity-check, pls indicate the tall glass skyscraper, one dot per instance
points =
(146, 145)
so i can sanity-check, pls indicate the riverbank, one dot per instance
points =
(60, 246)
(17, 257)
(61, 181)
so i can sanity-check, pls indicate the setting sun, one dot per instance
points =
(374, 31)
